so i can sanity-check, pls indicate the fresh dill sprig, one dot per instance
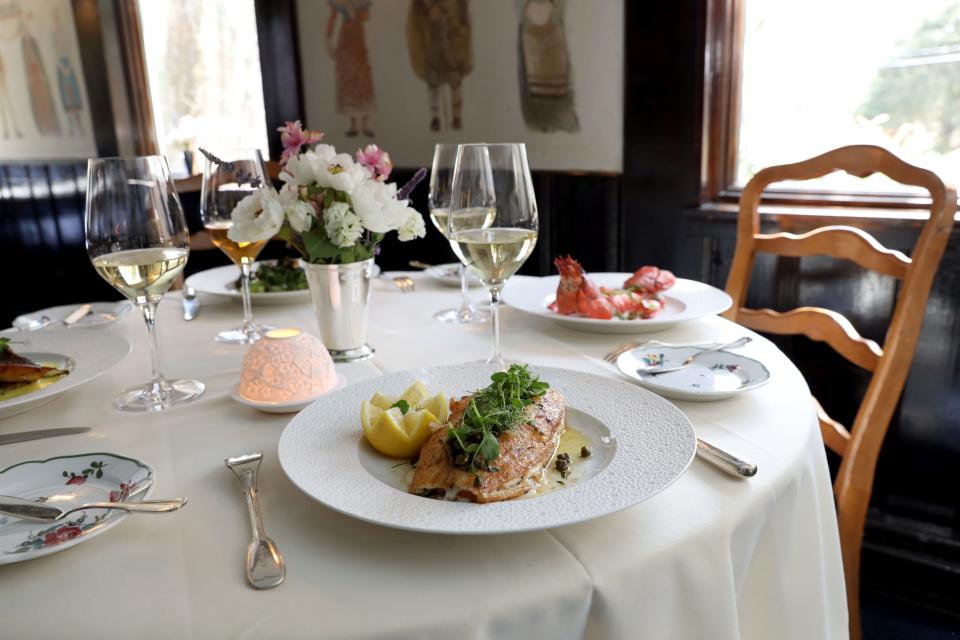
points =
(492, 411)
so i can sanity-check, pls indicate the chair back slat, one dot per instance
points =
(860, 446)
(835, 435)
(823, 325)
(837, 241)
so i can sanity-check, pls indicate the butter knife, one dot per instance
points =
(23, 436)
(725, 461)
(74, 317)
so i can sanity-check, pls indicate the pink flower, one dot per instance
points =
(61, 535)
(294, 137)
(376, 160)
(77, 480)
(117, 496)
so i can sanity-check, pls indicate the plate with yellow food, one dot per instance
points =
(468, 449)
(37, 366)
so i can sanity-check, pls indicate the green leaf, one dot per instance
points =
(403, 405)
(4, 344)
(318, 247)
(99, 473)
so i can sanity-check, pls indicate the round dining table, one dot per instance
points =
(711, 556)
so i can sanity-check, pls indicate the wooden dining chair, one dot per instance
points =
(859, 446)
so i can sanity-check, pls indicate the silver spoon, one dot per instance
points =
(739, 342)
(265, 567)
(40, 512)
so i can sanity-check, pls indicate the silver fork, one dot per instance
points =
(616, 353)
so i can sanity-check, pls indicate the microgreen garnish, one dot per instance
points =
(494, 410)
(4, 344)
(403, 405)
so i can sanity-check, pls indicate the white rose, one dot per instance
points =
(342, 225)
(259, 216)
(377, 206)
(412, 226)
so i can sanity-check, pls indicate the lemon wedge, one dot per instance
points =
(437, 405)
(399, 435)
(415, 394)
(382, 401)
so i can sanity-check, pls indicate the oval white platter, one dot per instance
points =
(86, 359)
(101, 314)
(69, 481)
(642, 442)
(713, 376)
(685, 301)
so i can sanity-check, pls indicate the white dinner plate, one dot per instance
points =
(713, 376)
(449, 275)
(220, 282)
(685, 301)
(641, 444)
(101, 314)
(68, 481)
(87, 356)
(282, 407)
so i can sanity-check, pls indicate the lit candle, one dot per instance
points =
(286, 365)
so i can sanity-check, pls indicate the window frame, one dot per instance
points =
(723, 57)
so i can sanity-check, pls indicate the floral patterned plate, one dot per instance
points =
(713, 376)
(68, 481)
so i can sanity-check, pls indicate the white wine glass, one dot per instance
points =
(138, 241)
(492, 221)
(441, 182)
(226, 181)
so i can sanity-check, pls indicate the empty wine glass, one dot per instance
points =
(138, 241)
(492, 220)
(238, 174)
(441, 181)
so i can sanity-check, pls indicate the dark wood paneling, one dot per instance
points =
(90, 38)
(279, 66)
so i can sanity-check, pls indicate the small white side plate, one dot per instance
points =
(449, 275)
(282, 407)
(101, 314)
(713, 376)
(69, 481)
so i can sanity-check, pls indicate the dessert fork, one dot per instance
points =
(616, 353)
(739, 342)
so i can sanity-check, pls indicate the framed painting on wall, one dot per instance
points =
(407, 74)
(45, 111)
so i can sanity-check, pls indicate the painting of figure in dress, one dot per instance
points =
(354, 78)
(70, 98)
(44, 112)
(546, 87)
(438, 39)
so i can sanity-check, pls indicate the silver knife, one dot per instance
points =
(23, 436)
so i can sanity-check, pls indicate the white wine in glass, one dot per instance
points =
(492, 222)
(227, 181)
(137, 240)
(441, 181)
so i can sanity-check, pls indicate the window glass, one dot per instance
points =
(820, 74)
(203, 67)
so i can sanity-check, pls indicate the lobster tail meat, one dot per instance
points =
(578, 295)
(650, 280)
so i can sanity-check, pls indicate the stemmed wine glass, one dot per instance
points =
(137, 239)
(225, 183)
(492, 223)
(441, 181)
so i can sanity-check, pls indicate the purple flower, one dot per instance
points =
(293, 137)
(376, 161)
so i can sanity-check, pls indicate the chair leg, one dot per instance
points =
(851, 523)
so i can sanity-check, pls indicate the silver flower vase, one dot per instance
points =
(341, 300)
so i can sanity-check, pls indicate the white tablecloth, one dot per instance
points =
(710, 557)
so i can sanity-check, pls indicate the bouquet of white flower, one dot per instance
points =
(332, 208)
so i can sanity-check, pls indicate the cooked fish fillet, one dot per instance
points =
(525, 452)
(16, 368)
